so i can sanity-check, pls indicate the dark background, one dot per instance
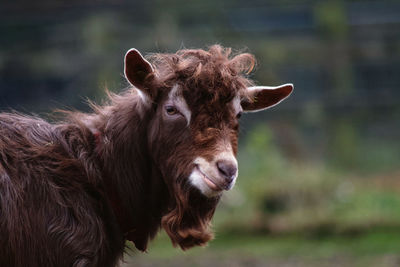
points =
(321, 168)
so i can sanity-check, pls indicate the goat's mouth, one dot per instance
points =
(209, 182)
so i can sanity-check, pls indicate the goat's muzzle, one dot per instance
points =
(211, 178)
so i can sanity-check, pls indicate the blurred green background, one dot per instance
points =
(319, 181)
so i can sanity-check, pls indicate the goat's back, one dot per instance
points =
(50, 212)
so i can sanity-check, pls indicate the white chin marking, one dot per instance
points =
(197, 180)
(205, 175)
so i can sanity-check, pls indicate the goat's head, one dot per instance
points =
(196, 98)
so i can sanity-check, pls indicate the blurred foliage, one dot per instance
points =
(331, 19)
(279, 195)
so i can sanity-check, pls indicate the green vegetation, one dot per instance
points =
(380, 248)
(277, 195)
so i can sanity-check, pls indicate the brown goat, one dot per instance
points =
(158, 155)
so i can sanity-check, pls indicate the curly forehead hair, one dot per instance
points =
(216, 67)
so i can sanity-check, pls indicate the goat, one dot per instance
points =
(158, 155)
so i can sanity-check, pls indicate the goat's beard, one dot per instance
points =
(188, 220)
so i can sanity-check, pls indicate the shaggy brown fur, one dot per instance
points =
(71, 193)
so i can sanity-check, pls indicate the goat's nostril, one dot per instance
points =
(227, 169)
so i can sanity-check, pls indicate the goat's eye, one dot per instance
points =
(171, 110)
(239, 115)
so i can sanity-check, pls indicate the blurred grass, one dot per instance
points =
(377, 248)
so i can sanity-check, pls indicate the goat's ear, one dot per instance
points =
(263, 97)
(136, 68)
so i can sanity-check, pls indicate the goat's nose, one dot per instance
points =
(227, 169)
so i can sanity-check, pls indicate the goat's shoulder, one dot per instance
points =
(20, 132)
(32, 145)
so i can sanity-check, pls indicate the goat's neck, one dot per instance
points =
(134, 186)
